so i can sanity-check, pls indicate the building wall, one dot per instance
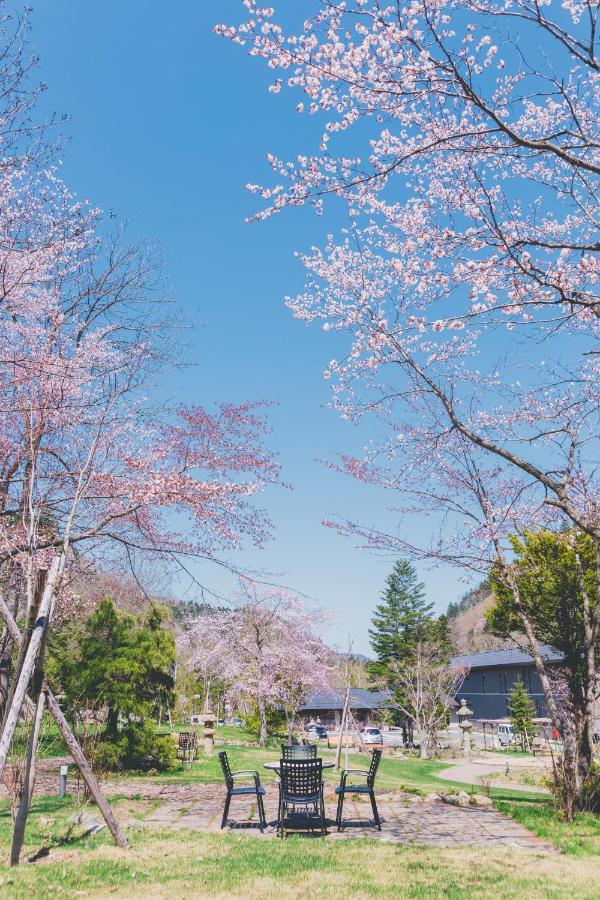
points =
(486, 690)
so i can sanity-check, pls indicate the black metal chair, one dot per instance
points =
(299, 751)
(301, 785)
(368, 788)
(242, 790)
(186, 746)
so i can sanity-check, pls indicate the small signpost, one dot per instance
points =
(62, 782)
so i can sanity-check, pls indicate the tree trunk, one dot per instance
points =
(112, 722)
(11, 606)
(567, 776)
(262, 715)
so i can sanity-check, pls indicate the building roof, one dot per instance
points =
(506, 657)
(359, 699)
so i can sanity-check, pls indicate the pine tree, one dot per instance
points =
(401, 620)
(521, 710)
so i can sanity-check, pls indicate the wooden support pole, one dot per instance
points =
(31, 652)
(85, 769)
(71, 741)
(28, 783)
(32, 614)
(338, 752)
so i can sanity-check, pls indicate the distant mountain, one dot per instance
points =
(467, 622)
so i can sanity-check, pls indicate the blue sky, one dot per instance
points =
(167, 123)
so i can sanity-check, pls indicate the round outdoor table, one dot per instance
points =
(275, 765)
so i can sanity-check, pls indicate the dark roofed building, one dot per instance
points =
(327, 706)
(492, 675)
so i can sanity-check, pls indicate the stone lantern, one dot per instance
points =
(209, 720)
(463, 713)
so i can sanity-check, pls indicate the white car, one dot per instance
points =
(371, 736)
(506, 734)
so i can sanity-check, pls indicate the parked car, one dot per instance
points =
(371, 735)
(506, 734)
(316, 733)
(236, 722)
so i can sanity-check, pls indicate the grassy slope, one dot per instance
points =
(166, 863)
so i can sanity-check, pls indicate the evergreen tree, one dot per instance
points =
(124, 665)
(401, 620)
(521, 710)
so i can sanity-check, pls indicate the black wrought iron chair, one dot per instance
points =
(299, 751)
(301, 785)
(186, 746)
(234, 790)
(368, 788)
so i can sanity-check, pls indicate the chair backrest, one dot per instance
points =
(226, 769)
(300, 777)
(184, 740)
(299, 751)
(375, 760)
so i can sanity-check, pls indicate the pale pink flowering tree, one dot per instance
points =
(93, 465)
(265, 649)
(471, 192)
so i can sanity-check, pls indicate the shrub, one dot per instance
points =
(137, 748)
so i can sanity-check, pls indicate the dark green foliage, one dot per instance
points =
(275, 721)
(136, 747)
(521, 710)
(401, 620)
(122, 665)
(548, 580)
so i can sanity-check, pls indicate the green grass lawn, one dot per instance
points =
(163, 863)
(580, 839)
(410, 774)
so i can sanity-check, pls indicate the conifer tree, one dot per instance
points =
(401, 620)
(521, 710)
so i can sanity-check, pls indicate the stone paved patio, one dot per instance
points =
(404, 820)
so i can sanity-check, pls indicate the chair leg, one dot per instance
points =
(340, 811)
(262, 820)
(375, 811)
(323, 822)
(226, 810)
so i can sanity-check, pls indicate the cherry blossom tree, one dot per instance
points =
(93, 464)
(265, 649)
(427, 685)
(468, 264)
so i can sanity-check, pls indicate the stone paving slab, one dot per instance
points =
(404, 820)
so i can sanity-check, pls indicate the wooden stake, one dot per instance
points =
(31, 652)
(25, 638)
(85, 768)
(71, 741)
(28, 783)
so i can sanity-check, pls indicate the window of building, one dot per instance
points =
(526, 678)
(502, 674)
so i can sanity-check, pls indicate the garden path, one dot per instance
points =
(474, 771)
